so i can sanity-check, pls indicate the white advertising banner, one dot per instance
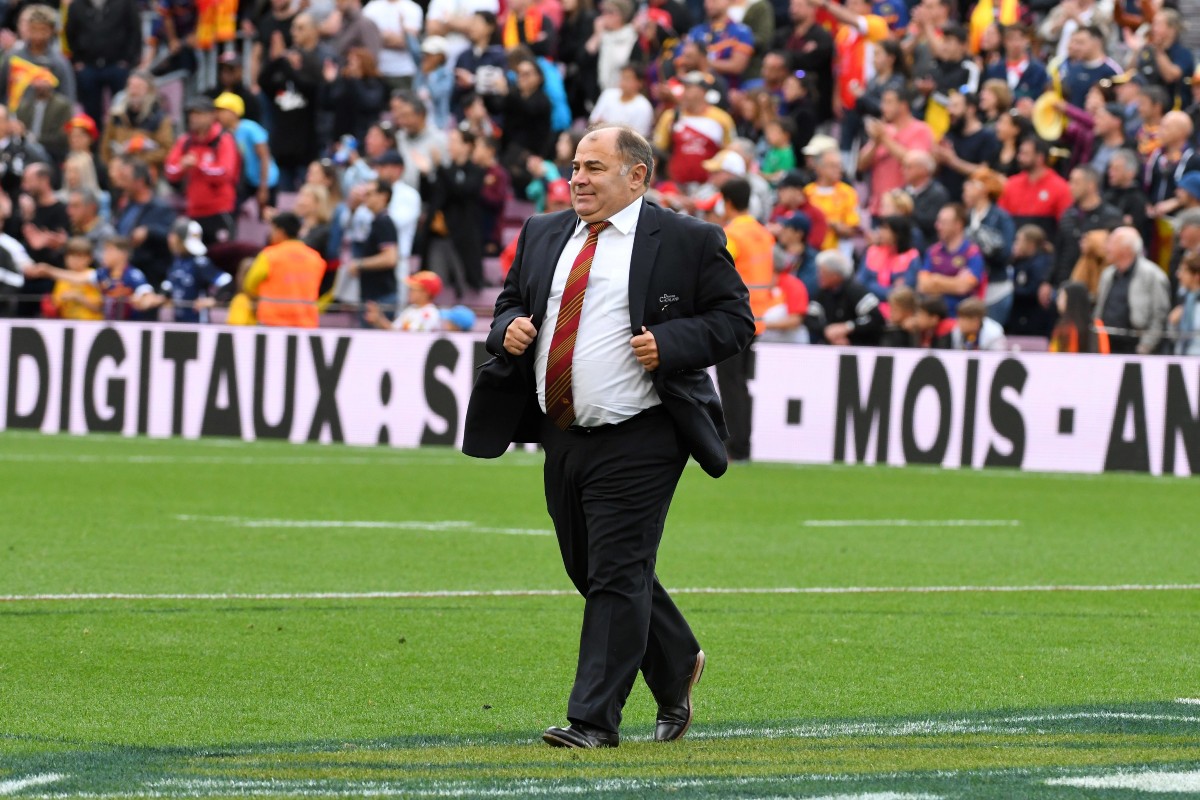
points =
(810, 404)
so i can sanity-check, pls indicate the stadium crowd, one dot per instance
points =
(944, 174)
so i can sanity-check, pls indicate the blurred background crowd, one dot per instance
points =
(946, 173)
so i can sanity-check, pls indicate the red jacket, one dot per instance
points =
(211, 185)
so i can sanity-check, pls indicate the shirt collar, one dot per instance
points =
(624, 220)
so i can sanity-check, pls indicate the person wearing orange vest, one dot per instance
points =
(753, 249)
(286, 277)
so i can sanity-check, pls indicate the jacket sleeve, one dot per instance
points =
(722, 325)
(1160, 307)
(510, 304)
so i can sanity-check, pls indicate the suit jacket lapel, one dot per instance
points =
(556, 242)
(641, 265)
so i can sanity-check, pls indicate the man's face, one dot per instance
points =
(31, 182)
(79, 212)
(952, 48)
(791, 196)
(228, 119)
(405, 117)
(1077, 47)
(376, 201)
(1161, 31)
(1015, 45)
(1081, 187)
(390, 172)
(199, 122)
(914, 172)
(829, 167)
(716, 9)
(303, 31)
(1027, 157)
(801, 11)
(947, 225)
(829, 279)
(970, 326)
(1116, 251)
(598, 187)
(1118, 173)
(136, 91)
(889, 106)
(774, 69)
(957, 107)
(38, 35)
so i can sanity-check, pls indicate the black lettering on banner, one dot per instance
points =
(1181, 421)
(968, 432)
(1005, 417)
(27, 343)
(1129, 454)
(107, 344)
(68, 358)
(262, 428)
(180, 347)
(143, 422)
(327, 375)
(930, 372)
(222, 420)
(438, 396)
(878, 409)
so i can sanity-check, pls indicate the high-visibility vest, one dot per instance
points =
(294, 272)
(753, 249)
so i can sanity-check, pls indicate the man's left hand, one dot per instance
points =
(645, 348)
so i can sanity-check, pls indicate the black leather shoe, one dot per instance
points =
(675, 718)
(580, 737)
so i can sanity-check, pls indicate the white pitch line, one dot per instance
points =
(469, 593)
(1149, 782)
(911, 523)
(1188, 701)
(11, 787)
(436, 526)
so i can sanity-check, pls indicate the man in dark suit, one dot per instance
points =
(614, 387)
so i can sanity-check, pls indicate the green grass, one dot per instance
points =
(965, 694)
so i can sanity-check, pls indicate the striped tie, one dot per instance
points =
(560, 399)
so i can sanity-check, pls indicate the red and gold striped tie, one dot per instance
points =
(560, 399)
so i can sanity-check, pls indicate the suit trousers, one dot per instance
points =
(608, 490)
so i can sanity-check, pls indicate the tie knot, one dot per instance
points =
(594, 228)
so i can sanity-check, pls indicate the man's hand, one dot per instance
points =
(837, 334)
(645, 348)
(519, 336)
(1045, 294)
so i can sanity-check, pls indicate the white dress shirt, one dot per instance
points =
(608, 383)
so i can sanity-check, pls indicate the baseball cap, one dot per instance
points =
(1190, 183)
(819, 144)
(434, 46)
(388, 158)
(797, 221)
(189, 232)
(229, 101)
(558, 191)
(793, 179)
(429, 281)
(200, 103)
(726, 161)
(460, 317)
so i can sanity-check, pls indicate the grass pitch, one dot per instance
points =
(247, 657)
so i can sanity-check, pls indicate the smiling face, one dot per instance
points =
(601, 185)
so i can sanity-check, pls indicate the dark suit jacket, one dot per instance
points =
(682, 287)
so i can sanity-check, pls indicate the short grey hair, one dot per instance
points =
(87, 196)
(633, 149)
(1130, 238)
(1129, 157)
(834, 261)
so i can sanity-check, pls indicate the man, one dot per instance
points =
(45, 114)
(1133, 298)
(928, 196)
(811, 48)
(416, 135)
(143, 218)
(693, 132)
(272, 30)
(729, 44)
(229, 79)
(376, 268)
(15, 263)
(291, 83)
(622, 418)
(1163, 60)
(889, 142)
(138, 123)
(260, 173)
(752, 247)
(286, 277)
(43, 228)
(953, 266)
(405, 205)
(1187, 244)
(857, 33)
(206, 162)
(843, 312)
(1109, 135)
(83, 211)
(1089, 213)
(39, 25)
(105, 41)
(356, 30)
(1024, 74)
(17, 151)
(1036, 194)
(1087, 64)
(793, 253)
(1173, 159)
(967, 146)
(480, 68)
(399, 23)
(1125, 190)
(1152, 106)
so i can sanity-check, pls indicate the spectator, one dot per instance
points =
(525, 24)
(290, 80)
(1187, 241)
(578, 65)
(889, 143)
(1173, 159)
(137, 123)
(857, 30)
(458, 318)
(759, 17)
(953, 267)
(405, 206)
(891, 72)
(843, 311)
(1011, 130)
(991, 229)
(83, 215)
(1109, 132)
(1021, 71)
(836, 199)
(791, 198)
(973, 330)
(82, 135)
(105, 41)
(144, 219)
(902, 309)
(613, 43)
(1037, 194)
(286, 277)
(1161, 59)
(315, 211)
(496, 191)
(1088, 213)
(356, 94)
(928, 322)
(526, 124)
(416, 136)
(1125, 191)
(693, 132)
(995, 100)
(967, 146)
(260, 173)
(811, 47)
(929, 197)
(1086, 65)
(73, 300)
(1134, 296)
(729, 44)
(1076, 330)
(126, 292)
(780, 157)
(1152, 106)
(375, 266)
(16, 151)
(434, 81)
(45, 114)
(354, 30)
(1093, 258)
(39, 25)
(455, 226)
(1033, 262)
(792, 250)
(205, 161)
(624, 104)
(79, 174)
(890, 259)
(399, 23)
(231, 80)
(44, 220)
(273, 33)
(479, 69)
(453, 20)
(192, 281)
(1184, 320)
(542, 172)
(421, 315)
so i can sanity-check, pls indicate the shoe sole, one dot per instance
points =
(697, 674)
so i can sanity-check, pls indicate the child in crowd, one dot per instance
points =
(458, 318)
(421, 314)
(928, 321)
(1184, 319)
(126, 292)
(974, 330)
(192, 279)
(780, 157)
(73, 300)
(902, 318)
(542, 172)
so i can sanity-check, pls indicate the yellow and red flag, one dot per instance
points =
(21, 74)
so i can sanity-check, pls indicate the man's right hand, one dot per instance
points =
(519, 336)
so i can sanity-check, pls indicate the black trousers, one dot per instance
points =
(608, 491)
(733, 376)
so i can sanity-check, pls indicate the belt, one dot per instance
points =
(589, 430)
